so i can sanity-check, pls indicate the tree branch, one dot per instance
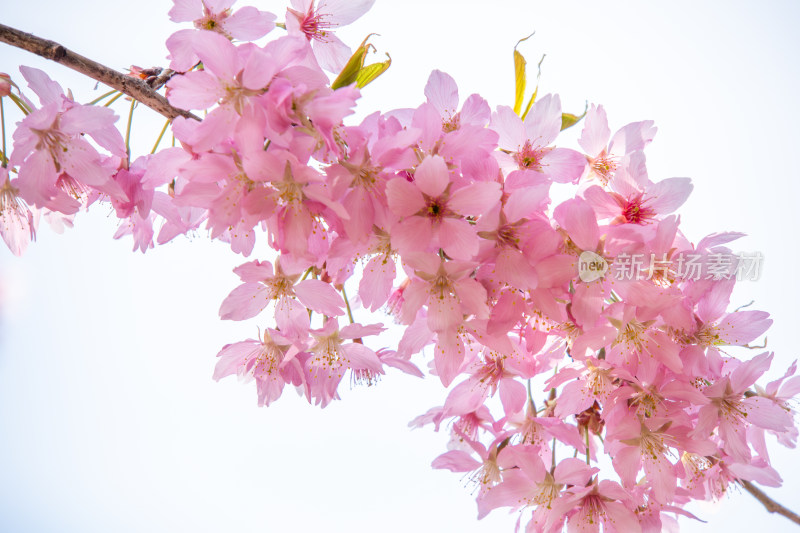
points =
(771, 505)
(133, 87)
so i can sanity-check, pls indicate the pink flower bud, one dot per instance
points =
(5, 84)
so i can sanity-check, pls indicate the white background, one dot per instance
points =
(109, 420)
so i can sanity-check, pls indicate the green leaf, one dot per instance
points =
(568, 119)
(350, 71)
(368, 74)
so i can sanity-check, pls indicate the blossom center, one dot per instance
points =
(529, 157)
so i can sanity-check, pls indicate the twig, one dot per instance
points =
(771, 505)
(133, 87)
(162, 78)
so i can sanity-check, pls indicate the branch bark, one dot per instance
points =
(133, 87)
(771, 505)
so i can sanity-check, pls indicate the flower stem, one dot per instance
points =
(160, 136)
(112, 100)
(347, 304)
(588, 449)
(128, 130)
(20, 104)
(96, 100)
(4, 160)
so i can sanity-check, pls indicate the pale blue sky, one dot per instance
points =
(109, 418)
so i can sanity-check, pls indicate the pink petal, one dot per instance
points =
(403, 197)
(513, 396)
(472, 296)
(456, 461)
(194, 90)
(458, 238)
(512, 267)
(577, 217)
(245, 301)
(563, 165)
(185, 10)
(234, 356)
(249, 24)
(332, 53)
(447, 358)
(595, 134)
(320, 297)
(742, 327)
(432, 176)
(376, 282)
(181, 50)
(475, 199)
(573, 471)
(46, 89)
(412, 235)
(258, 71)
(543, 122)
(362, 357)
(475, 111)
(765, 413)
(444, 313)
(506, 313)
(442, 92)
(218, 54)
(344, 12)
(669, 194)
(509, 127)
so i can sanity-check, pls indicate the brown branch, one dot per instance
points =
(771, 505)
(133, 87)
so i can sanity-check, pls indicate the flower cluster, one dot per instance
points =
(620, 399)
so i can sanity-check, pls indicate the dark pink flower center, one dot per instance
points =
(313, 24)
(529, 157)
(636, 212)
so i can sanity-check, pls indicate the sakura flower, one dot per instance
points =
(602, 503)
(270, 362)
(17, 224)
(317, 20)
(631, 203)
(54, 159)
(262, 285)
(331, 356)
(433, 213)
(526, 145)
(442, 93)
(532, 484)
(5, 84)
(245, 24)
(447, 289)
(730, 410)
(484, 474)
(605, 153)
(229, 77)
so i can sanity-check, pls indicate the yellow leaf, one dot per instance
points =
(519, 79)
(536, 90)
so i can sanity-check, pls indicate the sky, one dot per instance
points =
(109, 418)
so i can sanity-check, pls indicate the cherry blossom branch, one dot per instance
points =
(133, 87)
(771, 505)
